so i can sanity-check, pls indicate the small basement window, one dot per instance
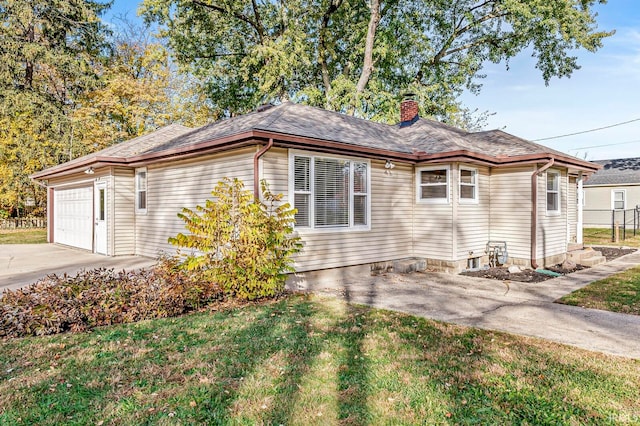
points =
(473, 263)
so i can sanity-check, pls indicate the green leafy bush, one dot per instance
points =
(101, 297)
(244, 245)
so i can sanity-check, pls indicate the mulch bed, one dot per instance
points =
(531, 276)
(613, 252)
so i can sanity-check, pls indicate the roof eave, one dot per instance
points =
(284, 140)
(504, 161)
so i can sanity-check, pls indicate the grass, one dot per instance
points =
(309, 360)
(618, 293)
(602, 236)
(23, 236)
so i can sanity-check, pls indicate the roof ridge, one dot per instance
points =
(275, 112)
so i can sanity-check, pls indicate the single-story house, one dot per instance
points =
(366, 193)
(614, 187)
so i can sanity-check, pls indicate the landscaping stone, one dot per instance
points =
(514, 269)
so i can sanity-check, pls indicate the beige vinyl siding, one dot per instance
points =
(510, 209)
(390, 234)
(433, 223)
(552, 229)
(572, 210)
(274, 167)
(175, 185)
(79, 179)
(472, 219)
(123, 217)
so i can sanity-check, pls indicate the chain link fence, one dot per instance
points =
(627, 221)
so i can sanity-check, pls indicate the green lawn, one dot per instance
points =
(618, 293)
(602, 236)
(309, 360)
(23, 236)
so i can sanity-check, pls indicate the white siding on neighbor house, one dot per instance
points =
(597, 203)
(510, 209)
(433, 223)
(471, 220)
(174, 185)
(390, 234)
(122, 213)
(552, 228)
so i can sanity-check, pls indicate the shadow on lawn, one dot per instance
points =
(480, 384)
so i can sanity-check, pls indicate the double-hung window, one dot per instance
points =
(468, 185)
(330, 192)
(618, 199)
(553, 192)
(433, 184)
(141, 190)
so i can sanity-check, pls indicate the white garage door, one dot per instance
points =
(73, 217)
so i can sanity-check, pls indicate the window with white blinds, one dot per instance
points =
(330, 192)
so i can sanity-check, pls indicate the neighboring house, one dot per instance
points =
(615, 187)
(366, 192)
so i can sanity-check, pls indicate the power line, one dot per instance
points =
(586, 131)
(605, 145)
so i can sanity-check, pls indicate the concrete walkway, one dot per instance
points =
(520, 308)
(23, 264)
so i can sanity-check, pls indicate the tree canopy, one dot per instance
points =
(70, 86)
(358, 56)
(47, 54)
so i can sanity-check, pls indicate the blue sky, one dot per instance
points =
(605, 91)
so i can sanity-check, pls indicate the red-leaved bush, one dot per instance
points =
(102, 297)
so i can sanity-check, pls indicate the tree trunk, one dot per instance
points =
(367, 65)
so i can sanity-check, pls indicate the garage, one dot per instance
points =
(73, 217)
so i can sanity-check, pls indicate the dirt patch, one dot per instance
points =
(526, 276)
(613, 252)
(531, 276)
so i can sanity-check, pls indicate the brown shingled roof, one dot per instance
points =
(295, 122)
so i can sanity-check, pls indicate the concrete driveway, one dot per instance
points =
(521, 308)
(23, 264)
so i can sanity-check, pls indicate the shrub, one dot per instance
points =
(243, 244)
(101, 297)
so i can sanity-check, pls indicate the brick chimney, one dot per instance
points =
(408, 110)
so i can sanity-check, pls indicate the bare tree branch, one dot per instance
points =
(254, 24)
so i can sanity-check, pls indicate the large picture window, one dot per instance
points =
(553, 192)
(141, 190)
(330, 192)
(433, 184)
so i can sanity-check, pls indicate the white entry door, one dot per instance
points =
(100, 222)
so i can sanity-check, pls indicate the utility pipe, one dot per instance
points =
(534, 210)
(256, 168)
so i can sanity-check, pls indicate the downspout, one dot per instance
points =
(534, 210)
(256, 168)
